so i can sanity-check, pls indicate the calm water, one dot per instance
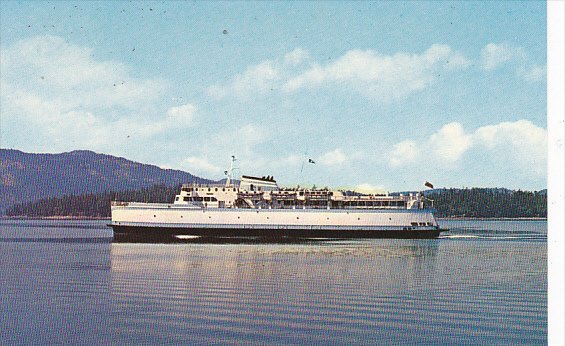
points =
(64, 282)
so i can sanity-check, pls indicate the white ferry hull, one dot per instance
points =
(169, 219)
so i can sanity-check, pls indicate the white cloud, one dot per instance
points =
(332, 158)
(180, 116)
(291, 160)
(369, 73)
(494, 55)
(369, 188)
(199, 165)
(256, 79)
(240, 141)
(376, 76)
(404, 153)
(66, 129)
(380, 76)
(315, 75)
(251, 134)
(296, 57)
(69, 100)
(520, 133)
(520, 141)
(520, 144)
(533, 74)
(264, 77)
(51, 67)
(449, 143)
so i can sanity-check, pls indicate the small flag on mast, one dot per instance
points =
(428, 184)
(311, 161)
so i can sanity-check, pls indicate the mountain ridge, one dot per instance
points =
(26, 177)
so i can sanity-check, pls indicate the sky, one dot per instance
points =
(380, 95)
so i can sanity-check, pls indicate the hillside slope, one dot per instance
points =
(26, 177)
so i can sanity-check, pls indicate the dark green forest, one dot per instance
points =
(489, 203)
(473, 202)
(91, 205)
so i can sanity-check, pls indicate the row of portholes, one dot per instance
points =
(297, 218)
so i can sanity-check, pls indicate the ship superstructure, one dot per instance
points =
(264, 193)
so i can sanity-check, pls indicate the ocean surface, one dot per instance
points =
(67, 282)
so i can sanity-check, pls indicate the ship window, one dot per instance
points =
(414, 223)
(223, 189)
(176, 199)
(186, 199)
(216, 189)
(209, 189)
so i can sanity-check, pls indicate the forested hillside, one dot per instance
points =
(91, 205)
(476, 202)
(489, 203)
(27, 177)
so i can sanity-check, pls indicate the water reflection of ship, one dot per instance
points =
(381, 267)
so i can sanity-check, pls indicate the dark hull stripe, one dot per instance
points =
(276, 233)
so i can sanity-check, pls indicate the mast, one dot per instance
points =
(229, 174)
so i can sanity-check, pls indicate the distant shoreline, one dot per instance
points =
(438, 218)
(460, 218)
(55, 217)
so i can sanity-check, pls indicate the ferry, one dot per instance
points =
(257, 207)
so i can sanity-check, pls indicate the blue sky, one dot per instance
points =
(382, 96)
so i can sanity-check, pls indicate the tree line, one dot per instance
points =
(92, 205)
(489, 203)
(473, 202)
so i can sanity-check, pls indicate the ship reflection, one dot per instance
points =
(326, 281)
